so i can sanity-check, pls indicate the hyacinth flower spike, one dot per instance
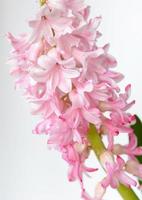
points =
(74, 88)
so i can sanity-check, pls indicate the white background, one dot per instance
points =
(28, 170)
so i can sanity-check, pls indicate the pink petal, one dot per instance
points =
(46, 62)
(92, 116)
(65, 85)
(126, 180)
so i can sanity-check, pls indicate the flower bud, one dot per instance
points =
(134, 168)
(99, 191)
(118, 149)
(106, 157)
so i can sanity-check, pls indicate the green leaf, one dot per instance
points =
(139, 159)
(137, 127)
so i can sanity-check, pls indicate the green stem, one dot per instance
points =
(127, 193)
(95, 141)
(42, 2)
(99, 148)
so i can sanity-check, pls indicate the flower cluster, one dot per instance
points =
(71, 82)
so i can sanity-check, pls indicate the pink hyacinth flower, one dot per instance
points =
(116, 174)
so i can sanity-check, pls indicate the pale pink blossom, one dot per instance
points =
(116, 174)
(98, 194)
(130, 149)
(64, 5)
(55, 71)
(134, 167)
(75, 154)
(46, 23)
